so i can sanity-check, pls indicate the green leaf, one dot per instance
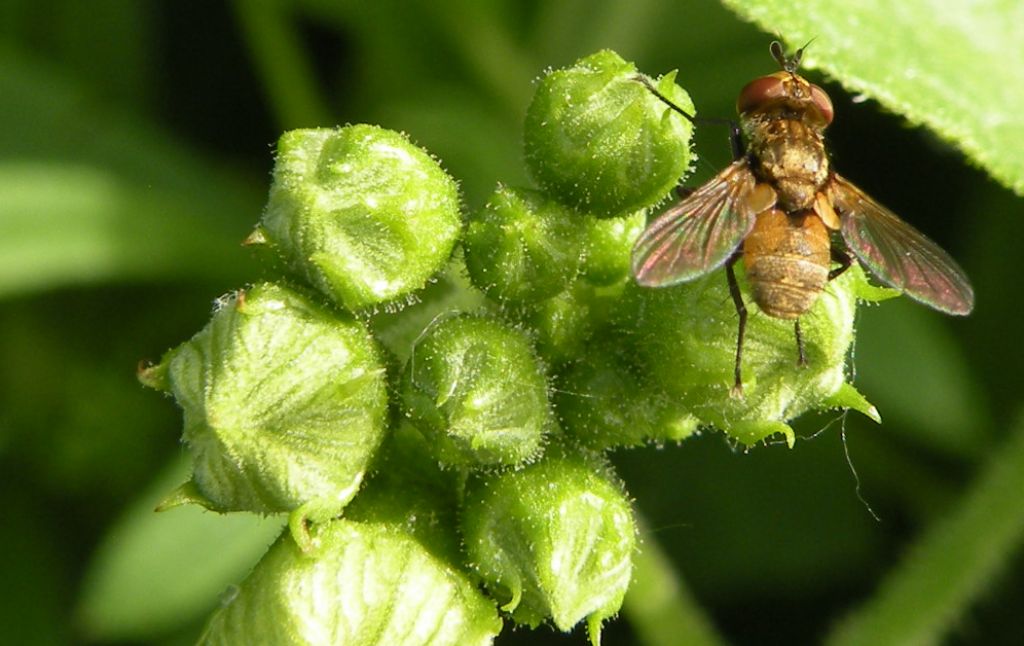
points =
(71, 224)
(154, 572)
(89, 194)
(35, 571)
(909, 362)
(957, 68)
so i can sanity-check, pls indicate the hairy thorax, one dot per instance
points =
(790, 156)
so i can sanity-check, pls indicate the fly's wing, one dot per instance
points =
(897, 253)
(700, 233)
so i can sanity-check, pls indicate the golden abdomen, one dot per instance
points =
(787, 258)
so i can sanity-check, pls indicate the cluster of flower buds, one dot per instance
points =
(444, 465)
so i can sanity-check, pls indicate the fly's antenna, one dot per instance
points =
(779, 55)
(788, 63)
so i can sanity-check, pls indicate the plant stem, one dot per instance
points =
(500, 65)
(657, 605)
(281, 61)
(951, 565)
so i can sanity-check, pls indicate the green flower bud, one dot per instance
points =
(553, 540)
(284, 405)
(599, 141)
(609, 247)
(360, 212)
(686, 341)
(523, 247)
(397, 330)
(363, 583)
(476, 390)
(603, 402)
(410, 490)
(563, 323)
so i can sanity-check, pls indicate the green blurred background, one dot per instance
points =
(135, 150)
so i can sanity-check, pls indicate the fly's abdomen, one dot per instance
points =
(787, 259)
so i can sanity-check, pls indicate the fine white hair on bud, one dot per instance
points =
(361, 213)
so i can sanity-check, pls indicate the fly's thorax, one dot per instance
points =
(789, 154)
(787, 261)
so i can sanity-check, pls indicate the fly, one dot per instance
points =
(776, 208)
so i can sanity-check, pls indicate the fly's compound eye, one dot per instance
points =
(760, 92)
(822, 102)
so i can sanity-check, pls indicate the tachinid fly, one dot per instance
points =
(777, 207)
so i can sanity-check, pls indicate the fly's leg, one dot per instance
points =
(664, 99)
(801, 357)
(741, 310)
(735, 136)
(683, 191)
(844, 260)
(736, 140)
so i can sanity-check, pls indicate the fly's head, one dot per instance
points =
(785, 93)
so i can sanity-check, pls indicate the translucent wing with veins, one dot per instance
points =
(897, 253)
(699, 234)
